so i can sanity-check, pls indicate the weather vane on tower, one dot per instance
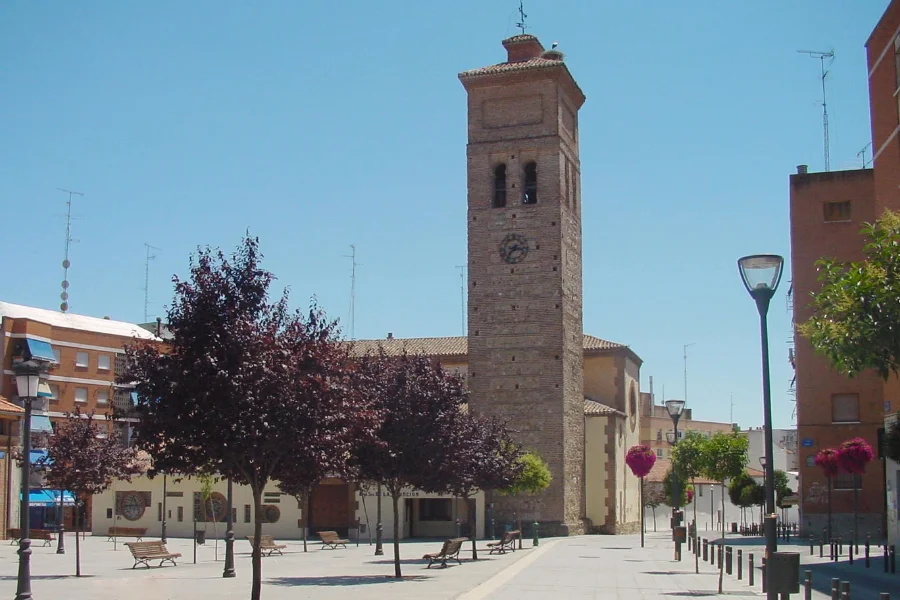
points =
(522, 16)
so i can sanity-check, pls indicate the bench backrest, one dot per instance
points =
(329, 536)
(264, 540)
(141, 548)
(127, 530)
(454, 545)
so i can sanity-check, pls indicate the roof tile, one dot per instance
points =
(509, 67)
(7, 407)
(448, 346)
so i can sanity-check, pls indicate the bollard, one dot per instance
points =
(762, 573)
(728, 551)
(706, 551)
(812, 546)
(885, 558)
(850, 553)
(835, 589)
(893, 560)
(822, 548)
(534, 529)
(719, 553)
(845, 589)
(884, 596)
(868, 562)
(740, 563)
(807, 586)
(697, 545)
(750, 569)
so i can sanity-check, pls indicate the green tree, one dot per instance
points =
(856, 313)
(688, 458)
(670, 478)
(207, 482)
(736, 494)
(725, 458)
(653, 497)
(533, 478)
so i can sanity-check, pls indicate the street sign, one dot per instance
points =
(793, 500)
(807, 443)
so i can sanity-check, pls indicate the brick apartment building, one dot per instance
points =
(88, 353)
(827, 213)
(656, 424)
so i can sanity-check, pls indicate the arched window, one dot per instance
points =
(499, 186)
(530, 194)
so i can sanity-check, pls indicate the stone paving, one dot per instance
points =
(318, 573)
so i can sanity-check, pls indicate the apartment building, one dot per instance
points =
(656, 423)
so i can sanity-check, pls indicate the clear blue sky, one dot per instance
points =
(323, 124)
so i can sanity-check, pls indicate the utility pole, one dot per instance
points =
(64, 295)
(354, 264)
(147, 260)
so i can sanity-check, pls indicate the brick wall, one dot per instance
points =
(884, 105)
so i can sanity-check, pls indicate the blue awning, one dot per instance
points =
(40, 350)
(48, 498)
(41, 424)
(35, 456)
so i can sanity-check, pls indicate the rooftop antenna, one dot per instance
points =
(147, 260)
(822, 56)
(354, 264)
(731, 414)
(64, 295)
(522, 17)
(685, 370)
(462, 296)
(862, 155)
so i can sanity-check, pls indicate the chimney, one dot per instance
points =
(802, 169)
(522, 47)
(106, 318)
(390, 336)
(158, 327)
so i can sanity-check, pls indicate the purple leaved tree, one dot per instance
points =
(245, 385)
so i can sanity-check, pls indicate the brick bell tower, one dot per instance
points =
(525, 288)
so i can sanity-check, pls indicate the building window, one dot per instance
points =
(811, 460)
(246, 513)
(103, 362)
(180, 514)
(57, 355)
(530, 194)
(120, 364)
(659, 453)
(435, 509)
(659, 435)
(102, 396)
(846, 481)
(81, 394)
(81, 359)
(845, 408)
(54, 391)
(836, 211)
(499, 186)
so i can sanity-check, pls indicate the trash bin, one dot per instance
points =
(784, 576)
(200, 536)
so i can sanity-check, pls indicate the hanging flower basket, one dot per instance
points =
(640, 459)
(828, 460)
(854, 455)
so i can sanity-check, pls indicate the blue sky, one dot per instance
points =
(323, 124)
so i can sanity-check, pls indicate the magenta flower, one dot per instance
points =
(828, 460)
(640, 459)
(854, 455)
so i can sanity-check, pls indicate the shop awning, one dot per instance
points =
(35, 456)
(48, 498)
(41, 424)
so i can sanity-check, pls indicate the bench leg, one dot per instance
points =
(140, 561)
(171, 560)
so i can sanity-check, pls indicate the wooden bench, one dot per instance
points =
(449, 551)
(267, 545)
(135, 532)
(144, 552)
(331, 540)
(34, 534)
(506, 542)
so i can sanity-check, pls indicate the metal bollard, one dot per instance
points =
(812, 546)
(762, 573)
(868, 560)
(750, 569)
(740, 563)
(884, 596)
(822, 548)
(719, 553)
(845, 590)
(850, 553)
(728, 551)
(835, 589)
(807, 586)
(706, 550)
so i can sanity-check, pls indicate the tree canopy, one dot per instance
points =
(856, 313)
(245, 385)
(534, 476)
(725, 456)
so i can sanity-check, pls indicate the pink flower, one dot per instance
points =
(854, 455)
(640, 459)
(828, 460)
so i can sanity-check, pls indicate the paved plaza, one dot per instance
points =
(596, 567)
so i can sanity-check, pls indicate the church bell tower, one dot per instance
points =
(524, 259)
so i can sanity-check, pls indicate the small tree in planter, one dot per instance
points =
(534, 477)
(827, 460)
(653, 497)
(854, 455)
(640, 459)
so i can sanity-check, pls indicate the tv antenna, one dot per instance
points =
(822, 56)
(147, 260)
(354, 264)
(64, 295)
(462, 297)
(862, 155)
(522, 17)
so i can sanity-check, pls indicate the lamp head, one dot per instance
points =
(674, 408)
(761, 273)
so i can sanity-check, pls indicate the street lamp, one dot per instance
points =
(229, 534)
(675, 408)
(28, 377)
(761, 274)
(379, 529)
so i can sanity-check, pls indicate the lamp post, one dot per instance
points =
(28, 374)
(229, 534)
(761, 274)
(61, 526)
(675, 408)
(162, 536)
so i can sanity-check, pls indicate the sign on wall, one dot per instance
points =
(807, 443)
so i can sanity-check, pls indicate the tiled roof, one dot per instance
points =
(661, 466)
(754, 472)
(7, 407)
(592, 407)
(510, 67)
(519, 38)
(449, 346)
(72, 321)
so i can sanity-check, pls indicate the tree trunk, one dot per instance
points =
(306, 518)
(256, 587)
(653, 508)
(722, 564)
(470, 518)
(395, 496)
(77, 547)
(212, 509)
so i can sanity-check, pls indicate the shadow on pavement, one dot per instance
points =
(680, 573)
(710, 593)
(342, 580)
(33, 577)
